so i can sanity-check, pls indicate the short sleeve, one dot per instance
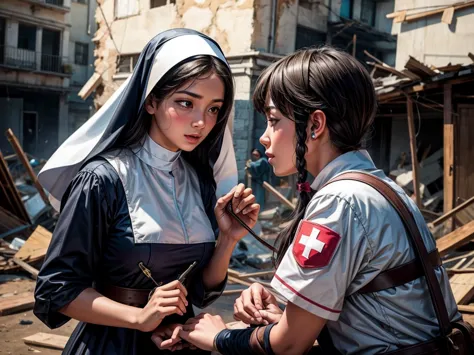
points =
(75, 249)
(327, 252)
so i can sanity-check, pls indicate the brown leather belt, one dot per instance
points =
(130, 296)
(400, 275)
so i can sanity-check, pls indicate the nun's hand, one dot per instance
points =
(243, 205)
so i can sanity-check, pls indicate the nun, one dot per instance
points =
(142, 187)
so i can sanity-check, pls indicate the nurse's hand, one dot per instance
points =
(243, 204)
(257, 305)
(167, 299)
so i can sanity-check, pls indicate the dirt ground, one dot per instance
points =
(12, 332)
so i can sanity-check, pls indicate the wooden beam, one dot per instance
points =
(466, 308)
(455, 239)
(24, 160)
(414, 158)
(30, 269)
(448, 148)
(282, 198)
(354, 44)
(463, 287)
(448, 14)
(18, 303)
(51, 341)
(451, 213)
(9, 187)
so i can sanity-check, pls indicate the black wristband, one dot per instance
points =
(234, 342)
(266, 339)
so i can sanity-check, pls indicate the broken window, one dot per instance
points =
(81, 52)
(307, 37)
(127, 63)
(125, 8)
(27, 37)
(158, 3)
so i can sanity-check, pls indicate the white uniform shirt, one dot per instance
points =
(350, 233)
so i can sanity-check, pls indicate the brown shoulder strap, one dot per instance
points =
(414, 234)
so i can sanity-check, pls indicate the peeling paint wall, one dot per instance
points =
(229, 22)
(431, 41)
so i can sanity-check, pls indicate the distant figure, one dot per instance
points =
(259, 169)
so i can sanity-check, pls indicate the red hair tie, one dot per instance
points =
(303, 187)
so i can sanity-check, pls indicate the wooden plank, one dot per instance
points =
(451, 213)
(28, 268)
(51, 341)
(424, 14)
(274, 191)
(9, 221)
(354, 44)
(9, 185)
(400, 17)
(414, 158)
(24, 160)
(36, 245)
(448, 148)
(455, 239)
(448, 14)
(18, 303)
(466, 308)
(463, 287)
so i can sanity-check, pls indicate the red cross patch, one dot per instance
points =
(314, 245)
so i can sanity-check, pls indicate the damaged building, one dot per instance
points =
(45, 57)
(252, 33)
(424, 132)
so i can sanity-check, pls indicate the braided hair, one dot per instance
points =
(313, 79)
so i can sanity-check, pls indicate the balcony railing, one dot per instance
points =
(56, 5)
(35, 61)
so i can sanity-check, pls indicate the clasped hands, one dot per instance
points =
(256, 305)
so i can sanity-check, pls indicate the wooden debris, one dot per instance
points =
(455, 239)
(9, 197)
(463, 287)
(430, 13)
(282, 198)
(24, 160)
(9, 221)
(419, 68)
(26, 267)
(36, 245)
(448, 14)
(451, 213)
(467, 309)
(18, 303)
(51, 341)
(470, 55)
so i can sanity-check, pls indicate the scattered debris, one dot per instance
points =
(51, 341)
(26, 322)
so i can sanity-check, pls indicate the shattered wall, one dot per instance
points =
(431, 41)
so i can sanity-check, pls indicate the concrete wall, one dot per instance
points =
(286, 21)
(313, 15)
(421, 39)
(83, 28)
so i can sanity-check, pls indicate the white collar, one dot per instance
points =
(354, 160)
(156, 156)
